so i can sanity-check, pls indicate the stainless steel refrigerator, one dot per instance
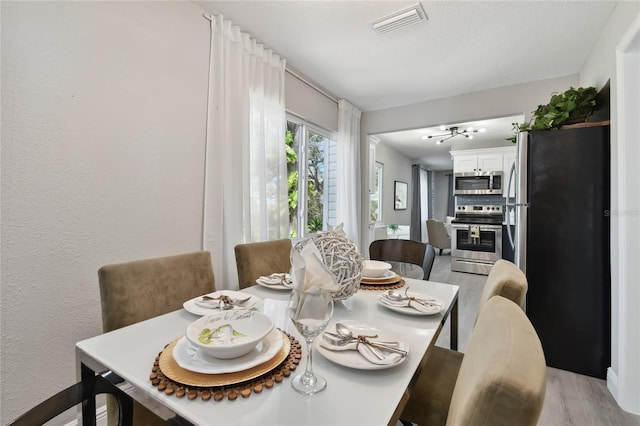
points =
(561, 242)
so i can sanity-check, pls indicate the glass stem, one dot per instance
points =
(308, 371)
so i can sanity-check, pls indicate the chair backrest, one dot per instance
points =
(264, 258)
(74, 395)
(502, 378)
(135, 291)
(507, 280)
(407, 251)
(438, 236)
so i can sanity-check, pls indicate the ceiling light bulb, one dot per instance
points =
(443, 127)
(470, 136)
(440, 141)
(469, 129)
(424, 138)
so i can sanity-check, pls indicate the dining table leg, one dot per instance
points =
(88, 377)
(454, 326)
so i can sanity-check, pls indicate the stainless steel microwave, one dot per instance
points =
(478, 183)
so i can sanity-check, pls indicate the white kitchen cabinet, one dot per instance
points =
(477, 162)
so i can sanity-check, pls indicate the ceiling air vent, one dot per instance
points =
(401, 19)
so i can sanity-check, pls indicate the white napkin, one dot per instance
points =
(429, 308)
(308, 272)
(365, 351)
(276, 279)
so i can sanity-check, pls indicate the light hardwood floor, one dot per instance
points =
(571, 399)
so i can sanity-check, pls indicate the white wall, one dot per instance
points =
(103, 132)
(600, 67)
(500, 102)
(396, 167)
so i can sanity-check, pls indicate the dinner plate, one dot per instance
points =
(407, 310)
(387, 275)
(353, 359)
(193, 307)
(190, 358)
(273, 286)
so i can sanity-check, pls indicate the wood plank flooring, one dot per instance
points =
(571, 399)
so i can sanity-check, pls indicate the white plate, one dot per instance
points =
(190, 358)
(273, 286)
(407, 310)
(387, 275)
(193, 307)
(353, 359)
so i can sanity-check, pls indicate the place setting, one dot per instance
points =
(410, 303)
(221, 300)
(361, 346)
(226, 354)
(276, 281)
(377, 275)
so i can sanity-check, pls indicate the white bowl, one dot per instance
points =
(229, 334)
(374, 268)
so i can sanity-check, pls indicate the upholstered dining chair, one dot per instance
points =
(405, 251)
(438, 236)
(76, 394)
(501, 380)
(254, 260)
(135, 291)
(429, 394)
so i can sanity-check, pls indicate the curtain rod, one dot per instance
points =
(296, 75)
(310, 84)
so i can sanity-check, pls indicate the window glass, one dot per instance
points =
(311, 170)
(375, 198)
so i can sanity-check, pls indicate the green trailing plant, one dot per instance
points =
(571, 106)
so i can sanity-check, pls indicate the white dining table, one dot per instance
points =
(352, 396)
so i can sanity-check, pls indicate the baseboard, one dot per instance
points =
(101, 417)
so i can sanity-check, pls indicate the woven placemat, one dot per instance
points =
(366, 286)
(172, 379)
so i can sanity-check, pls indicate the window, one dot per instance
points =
(375, 198)
(311, 176)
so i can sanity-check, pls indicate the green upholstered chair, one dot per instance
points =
(254, 260)
(430, 393)
(135, 291)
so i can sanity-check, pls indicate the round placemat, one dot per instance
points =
(170, 378)
(367, 286)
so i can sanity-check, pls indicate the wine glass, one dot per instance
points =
(310, 312)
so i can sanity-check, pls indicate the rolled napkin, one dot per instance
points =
(365, 351)
(420, 304)
(276, 279)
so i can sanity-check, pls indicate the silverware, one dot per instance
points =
(226, 299)
(336, 340)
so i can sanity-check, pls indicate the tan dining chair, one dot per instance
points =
(135, 291)
(438, 236)
(254, 260)
(405, 251)
(427, 403)
(501, 380)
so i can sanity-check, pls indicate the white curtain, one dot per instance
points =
(245, 187)
(348, 170)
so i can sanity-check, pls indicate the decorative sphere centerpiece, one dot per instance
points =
(341, 257)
